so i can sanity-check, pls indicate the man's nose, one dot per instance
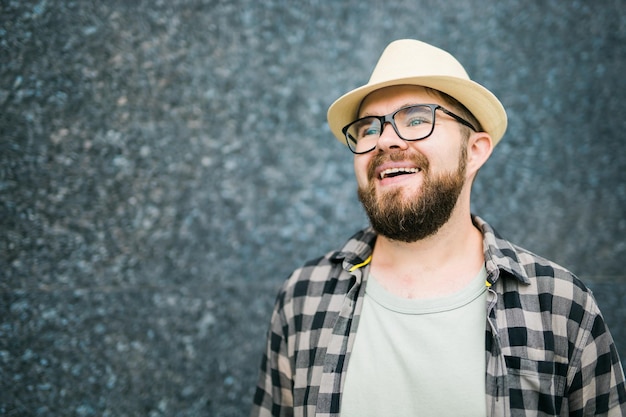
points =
(389, 139)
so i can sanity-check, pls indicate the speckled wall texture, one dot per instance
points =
(165, 164)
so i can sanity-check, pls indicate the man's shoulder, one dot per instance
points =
(509, 257)
(551, 279)
(522, 271)
(317, 275)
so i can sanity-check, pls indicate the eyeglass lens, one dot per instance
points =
(410, 123)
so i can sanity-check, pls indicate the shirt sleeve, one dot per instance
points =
(274, 391)
(596, 385)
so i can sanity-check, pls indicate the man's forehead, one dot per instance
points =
(396, 97)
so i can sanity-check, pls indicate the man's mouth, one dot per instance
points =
(394, 172)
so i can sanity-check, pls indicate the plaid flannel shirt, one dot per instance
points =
(548, 350)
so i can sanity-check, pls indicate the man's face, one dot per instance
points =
(409, 189)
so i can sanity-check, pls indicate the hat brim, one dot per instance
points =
(483, 104)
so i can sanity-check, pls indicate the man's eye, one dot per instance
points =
(370, 131)
(416, 122)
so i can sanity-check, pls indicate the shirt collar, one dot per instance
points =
(500, 254)
(357, 251)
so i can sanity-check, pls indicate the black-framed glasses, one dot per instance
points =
(410, 123)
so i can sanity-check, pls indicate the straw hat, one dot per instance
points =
(413, 62)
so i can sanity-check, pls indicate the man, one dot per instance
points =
(429, 312)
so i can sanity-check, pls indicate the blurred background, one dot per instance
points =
(164, 165)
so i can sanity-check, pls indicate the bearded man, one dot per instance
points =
(428, 312)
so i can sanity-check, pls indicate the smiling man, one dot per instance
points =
(428, 312)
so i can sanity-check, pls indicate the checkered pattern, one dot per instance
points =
(548, 350)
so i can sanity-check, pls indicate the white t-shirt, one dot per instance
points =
(418, 357)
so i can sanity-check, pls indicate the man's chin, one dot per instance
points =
(397, 196)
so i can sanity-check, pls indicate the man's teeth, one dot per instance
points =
(392, 172)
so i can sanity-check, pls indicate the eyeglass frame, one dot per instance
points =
(389, 118)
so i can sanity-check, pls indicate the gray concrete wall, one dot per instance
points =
(165, 164)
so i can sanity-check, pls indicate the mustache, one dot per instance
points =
(378, 159)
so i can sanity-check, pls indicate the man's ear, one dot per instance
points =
(479, 148)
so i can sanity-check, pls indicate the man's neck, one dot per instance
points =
(435, 266)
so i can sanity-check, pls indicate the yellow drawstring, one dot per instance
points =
(365, 262)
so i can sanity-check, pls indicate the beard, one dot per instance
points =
(409, 219)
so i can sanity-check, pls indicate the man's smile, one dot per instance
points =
(394, 172)
(397, 168)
